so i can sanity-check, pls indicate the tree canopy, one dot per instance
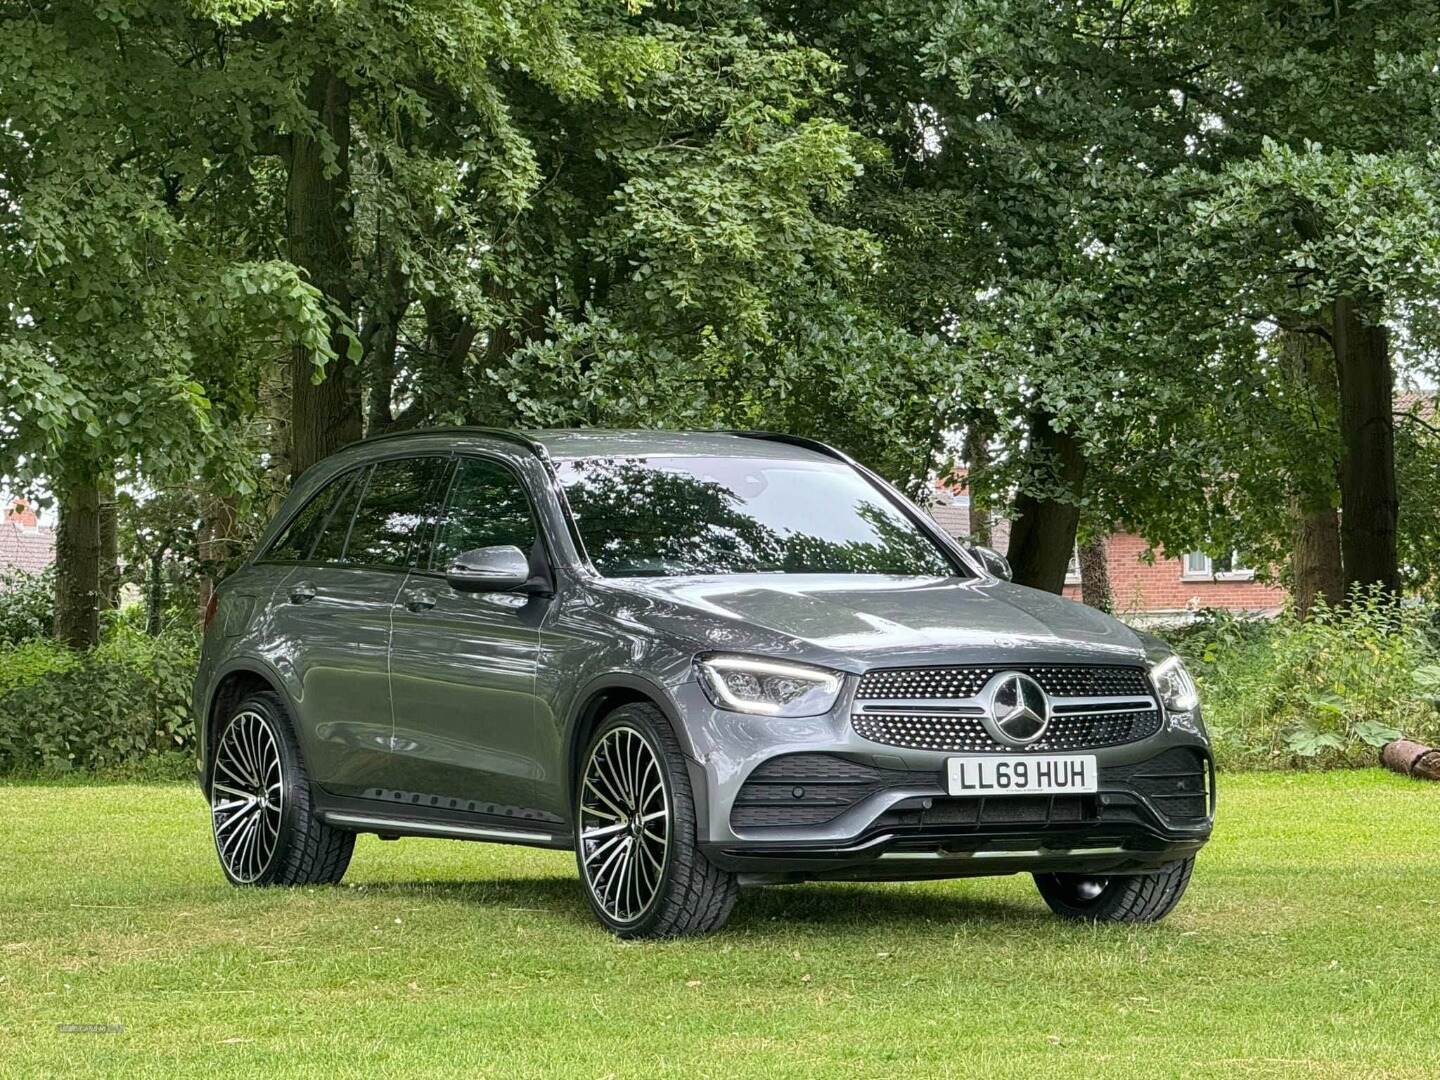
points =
(1134, 263)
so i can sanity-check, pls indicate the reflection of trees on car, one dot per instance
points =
(637, 519)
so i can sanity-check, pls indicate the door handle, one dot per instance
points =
(302, 591)
(420, 600)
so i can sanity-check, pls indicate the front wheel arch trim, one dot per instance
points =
(609, 691)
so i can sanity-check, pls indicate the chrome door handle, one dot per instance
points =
(301, 592)
(420, 600)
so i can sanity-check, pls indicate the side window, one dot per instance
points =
(331, 545)
(488, 506)
(294, 544)
(399, 499)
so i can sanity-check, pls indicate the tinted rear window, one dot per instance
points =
(298, 539)
(399, 499)
(331, 545)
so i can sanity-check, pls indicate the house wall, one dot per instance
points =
(1161, 587)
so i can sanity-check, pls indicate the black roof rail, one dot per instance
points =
(508, 434)
(795, 440)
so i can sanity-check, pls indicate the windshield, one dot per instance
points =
(655, 516)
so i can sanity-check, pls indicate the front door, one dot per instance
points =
(463, 665)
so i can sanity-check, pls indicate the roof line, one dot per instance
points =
(801, 441)
(508, 434)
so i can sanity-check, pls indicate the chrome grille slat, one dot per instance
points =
(937, 708)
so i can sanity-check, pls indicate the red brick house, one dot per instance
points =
(1168, 588)
(25, 544)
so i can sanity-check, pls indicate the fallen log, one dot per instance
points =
(1411, 759)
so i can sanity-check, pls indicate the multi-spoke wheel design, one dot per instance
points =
(247, 796)
(624, 824)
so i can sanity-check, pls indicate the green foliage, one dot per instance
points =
(125, 702)
(27, 605)
(24, 663)
(1322, 692)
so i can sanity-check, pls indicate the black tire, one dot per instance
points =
(305, 850)
(1125, 898)
(692, 896)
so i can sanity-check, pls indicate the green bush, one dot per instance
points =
(1322, 692)
(121, 704)
(27, 605)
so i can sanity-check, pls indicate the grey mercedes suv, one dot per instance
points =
(701, 660)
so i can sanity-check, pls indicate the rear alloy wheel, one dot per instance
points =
(266, 831)
(643, 871)
(1125, 898)
(247, 796)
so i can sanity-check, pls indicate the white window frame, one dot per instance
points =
(1189, 572)
(1072, 568)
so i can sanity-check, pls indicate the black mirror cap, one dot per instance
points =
(993, 561)
(503, 568)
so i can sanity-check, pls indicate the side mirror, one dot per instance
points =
(992, 560)
(489, 569)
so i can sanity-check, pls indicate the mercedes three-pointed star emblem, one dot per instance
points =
(1017, 710)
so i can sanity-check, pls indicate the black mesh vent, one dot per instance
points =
(1174, 781)
(1060, 680)
(811, 789)
(966, 734)
(1001, 810)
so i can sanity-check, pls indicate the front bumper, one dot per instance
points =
(904, 852)
(811, 799)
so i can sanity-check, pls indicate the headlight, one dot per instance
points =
(768, 687)
(1177, 692)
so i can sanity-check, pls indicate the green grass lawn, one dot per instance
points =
(1307, 945)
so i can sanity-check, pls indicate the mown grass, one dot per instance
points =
(1306, 947)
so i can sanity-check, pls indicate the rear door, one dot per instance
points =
(333, 619)
(463, 665)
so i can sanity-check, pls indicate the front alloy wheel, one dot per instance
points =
(624, 824)
(636, 844)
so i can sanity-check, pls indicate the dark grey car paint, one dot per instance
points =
(486, 690)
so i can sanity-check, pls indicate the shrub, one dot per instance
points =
(27, 605)
(120, 704)
(1321, 692)
(28, 662)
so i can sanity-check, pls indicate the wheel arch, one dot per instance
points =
(231, 686)
(603, 695)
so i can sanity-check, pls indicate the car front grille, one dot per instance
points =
(937, 708)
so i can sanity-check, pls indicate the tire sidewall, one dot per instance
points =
(629, 718)
(290, 777)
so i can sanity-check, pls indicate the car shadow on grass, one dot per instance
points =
(811, 904)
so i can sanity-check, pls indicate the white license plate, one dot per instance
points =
(1022, 774)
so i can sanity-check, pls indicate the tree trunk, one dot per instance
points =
(77, 565)
(1315, 560)
(977, 465)
(1042, 539)
(325, 415)
(1369, 500)
(217, 543)
(109, 545)
(1315, 567)
(155, 594)
(1095, 573)
(382, 340)
(273, 398)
